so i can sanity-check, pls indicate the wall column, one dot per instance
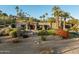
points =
(35, 26)
(43, 28)
(26, 26)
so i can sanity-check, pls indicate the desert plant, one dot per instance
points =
(73, 35)
(51, 32)
(7, 31)
(43, 38)
(13, 33)
(1, 32)
(62, 33)
(25, 36)
(43, 32)
(46, 32)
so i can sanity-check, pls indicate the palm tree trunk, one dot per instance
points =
(57, 21)
(61, 23)
(51, 25)
(64, 23)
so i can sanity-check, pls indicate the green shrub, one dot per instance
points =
(43, 32)
(13, 33)
(46, 32)
(73, 35)
(43, 38)
(25, 36)
(74, 29)
(2, 32)
(51, 32)
(7, 31)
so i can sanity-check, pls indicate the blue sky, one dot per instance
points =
(38, 10)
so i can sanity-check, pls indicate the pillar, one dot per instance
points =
(43, 28)
(35, 26)
(26, 26)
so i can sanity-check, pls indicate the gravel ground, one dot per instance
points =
(31, 46)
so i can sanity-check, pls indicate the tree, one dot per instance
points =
(51, 20)
(0, 11)
(73, 21)
(56, 11)
(40, 17)
(46, 14)
(4, 18)
(17, 9)
(31, 19)
(43, 17)
(65, 16)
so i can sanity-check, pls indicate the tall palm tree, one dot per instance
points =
(51, 20)
(43, 17)
(0, 11)
(61, 18)
(4, 16)
(40, 17)
(17, 9)
(65, 16)
(0, 14)
(46, 14)
(56, 12)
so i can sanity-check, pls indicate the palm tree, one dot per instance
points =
(61, 18)
(43, 17)
(65, 16)
(0, 11)
(17, 9)
(56, 12)
(51, 20)
(0, 14)
(46, 15)
(40, 17)
(4, 16)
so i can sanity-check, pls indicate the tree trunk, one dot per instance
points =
(64, 23)
(57, 21)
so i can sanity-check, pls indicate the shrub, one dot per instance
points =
(7, 31)
(51, 32)
(62, 33)
(46, 32)
(13, 25)
(43, 38)
(25, 36)
(43, 32)
(13, 33)
(73, 35)
(2, 32)
(74, 29)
